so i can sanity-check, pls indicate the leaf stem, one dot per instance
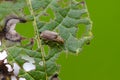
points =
(29, 3)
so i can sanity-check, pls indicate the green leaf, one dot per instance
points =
(66, 21)
(8, 8)
(62, 16)
(16, 54)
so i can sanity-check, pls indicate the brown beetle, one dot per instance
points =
(51, 36)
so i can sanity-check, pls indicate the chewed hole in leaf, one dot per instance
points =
(10, 69)
(22, 79)
(3, 55)
(28, 59)
(13, 78)
(21, 29)
(47, 16)
(80, 31)
(16, 69)
(28, 66)
(5, 61)
(8, 31)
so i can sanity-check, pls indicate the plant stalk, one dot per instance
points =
(29, 3)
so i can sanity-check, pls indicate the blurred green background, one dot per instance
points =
(101, 59)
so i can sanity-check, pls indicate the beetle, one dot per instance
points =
(51, 36)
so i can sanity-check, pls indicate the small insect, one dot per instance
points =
(51, 36)
(54, 77)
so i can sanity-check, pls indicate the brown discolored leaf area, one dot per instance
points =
(4, 74)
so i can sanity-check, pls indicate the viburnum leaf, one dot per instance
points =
(37, 60)
(65, 20)
(43, 69)
(10, 7)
